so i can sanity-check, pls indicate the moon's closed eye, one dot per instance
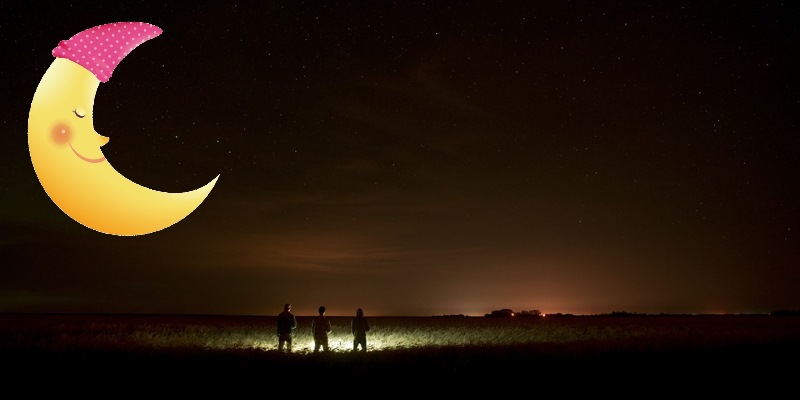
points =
(79, 112)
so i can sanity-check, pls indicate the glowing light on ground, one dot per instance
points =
(337, 345)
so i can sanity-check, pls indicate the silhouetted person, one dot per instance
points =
(359, 327)
(321, 327)
(286, 326)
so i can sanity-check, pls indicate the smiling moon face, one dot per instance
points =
(68, 160)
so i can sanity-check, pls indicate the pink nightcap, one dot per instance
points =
(100, 49)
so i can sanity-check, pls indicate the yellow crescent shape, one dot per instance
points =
(66, 155)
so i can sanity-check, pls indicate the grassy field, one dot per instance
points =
(414, 350)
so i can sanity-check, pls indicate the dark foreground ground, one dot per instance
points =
(762, 368)
(93, 357)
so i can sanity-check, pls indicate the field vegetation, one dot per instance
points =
(625, 347)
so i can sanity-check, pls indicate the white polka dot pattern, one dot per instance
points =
(100, 49)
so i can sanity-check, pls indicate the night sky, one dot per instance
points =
(424, 158)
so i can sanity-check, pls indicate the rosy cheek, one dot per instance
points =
(61, 133)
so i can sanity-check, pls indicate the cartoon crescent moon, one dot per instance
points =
(65, 149)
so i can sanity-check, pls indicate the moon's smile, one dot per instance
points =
(91, 160)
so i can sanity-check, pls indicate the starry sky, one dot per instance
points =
(424, 158)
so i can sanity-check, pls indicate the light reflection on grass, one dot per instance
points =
(130, 333)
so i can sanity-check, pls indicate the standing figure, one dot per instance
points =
(359, 327)
(286, 326)
(320, 328)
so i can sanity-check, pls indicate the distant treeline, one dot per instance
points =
(508, 313)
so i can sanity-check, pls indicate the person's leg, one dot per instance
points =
(289, 344)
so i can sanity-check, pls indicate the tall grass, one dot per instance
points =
(412, 353)
(160, 333)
